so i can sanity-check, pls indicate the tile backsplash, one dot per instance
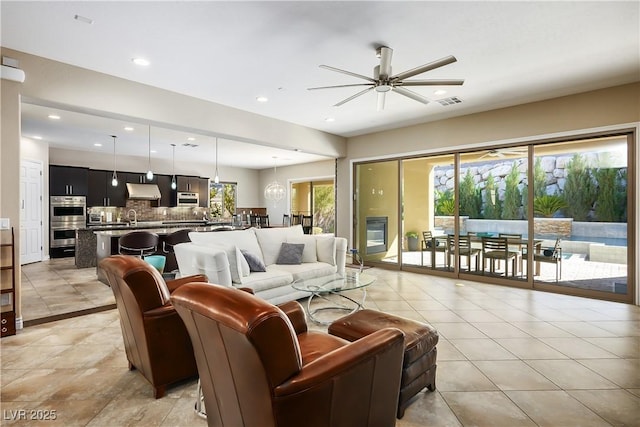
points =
(145, 212)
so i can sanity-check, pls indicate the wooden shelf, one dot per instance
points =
(8, 317)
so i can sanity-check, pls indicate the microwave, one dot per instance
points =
(188, 199)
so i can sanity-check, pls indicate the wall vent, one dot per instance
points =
(450, 101)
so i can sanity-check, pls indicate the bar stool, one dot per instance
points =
(139, 243)
(172, 239)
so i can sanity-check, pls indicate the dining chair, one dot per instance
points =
(551, 255)
(515, 247)
(497, 249)
(431, 245)
(307, 224)
(463, 249)
(286, 220)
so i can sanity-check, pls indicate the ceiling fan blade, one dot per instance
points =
(410, 94)
(434, 82)
(385, 62)
(381, 99)
(424, 68)
(339, 86)
(349, 73)
(344, 101)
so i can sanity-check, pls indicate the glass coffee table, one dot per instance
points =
(332, 290)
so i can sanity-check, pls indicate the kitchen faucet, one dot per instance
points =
(135, 217)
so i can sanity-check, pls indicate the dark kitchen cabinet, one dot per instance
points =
(195, 184)
(68, 181)
(102, 193)
(140, 178)
(167, 195)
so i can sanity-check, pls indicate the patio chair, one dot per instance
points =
(515, 247)
(431, 245)
(464, 249)
(497, 248)
(551, 255)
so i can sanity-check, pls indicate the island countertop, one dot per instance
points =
(162, 230)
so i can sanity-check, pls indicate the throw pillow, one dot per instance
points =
(290, 253)
(309, 253)
(255, 263)
(243, 265)
(326, 249)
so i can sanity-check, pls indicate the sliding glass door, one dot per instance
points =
(552, 215)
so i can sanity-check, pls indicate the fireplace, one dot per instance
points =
(377, 234)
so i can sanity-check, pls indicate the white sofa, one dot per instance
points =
(219, 256)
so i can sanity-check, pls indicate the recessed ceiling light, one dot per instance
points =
(153, 151)
(54, 116)
(329, 119)
(439, 92)
(128, 128)
(83, 19)
(262, 99)
(37, 137)
(97, 144)
(191, 138)
(141, 61)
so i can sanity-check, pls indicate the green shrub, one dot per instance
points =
(470, 197)
(445, 203)
(579, 189)
(492, 201)
(611, 196)
(512, 197)
(548, 205)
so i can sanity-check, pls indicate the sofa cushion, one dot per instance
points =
(255, 263)
(243, 266)
(272, 278)
(244, 239)
(307, 270)
(309, 253)
(270, 240)
(290, 253)
(326, 249)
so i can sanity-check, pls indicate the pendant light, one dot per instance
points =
(114, 177)
(173, 169)
(274, 191)
(149, 172)
(216, 179)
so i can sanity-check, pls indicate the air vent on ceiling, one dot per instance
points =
(190, 145)
(450, 101)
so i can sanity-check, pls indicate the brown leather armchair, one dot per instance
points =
(155, 338)
(260, 366)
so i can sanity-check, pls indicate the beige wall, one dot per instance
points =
(87, 91)
(616, 108)
(10, 166)
(529, 122)
(287, 175)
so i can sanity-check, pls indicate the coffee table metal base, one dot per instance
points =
(356, 305)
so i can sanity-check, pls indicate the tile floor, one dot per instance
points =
(56, 286)
(506, 357)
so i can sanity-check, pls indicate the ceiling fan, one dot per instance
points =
(504, 152)
(383, 81)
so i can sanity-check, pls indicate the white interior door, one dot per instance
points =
(30, 211)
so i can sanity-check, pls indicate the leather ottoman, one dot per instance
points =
(419, 363)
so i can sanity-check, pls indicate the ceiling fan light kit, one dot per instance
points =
(383, 81)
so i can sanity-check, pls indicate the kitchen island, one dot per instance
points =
(107, 238)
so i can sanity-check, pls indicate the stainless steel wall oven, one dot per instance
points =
(67, 214)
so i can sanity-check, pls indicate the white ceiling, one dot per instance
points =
(231, 52)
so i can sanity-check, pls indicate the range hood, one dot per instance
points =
(143, 191)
